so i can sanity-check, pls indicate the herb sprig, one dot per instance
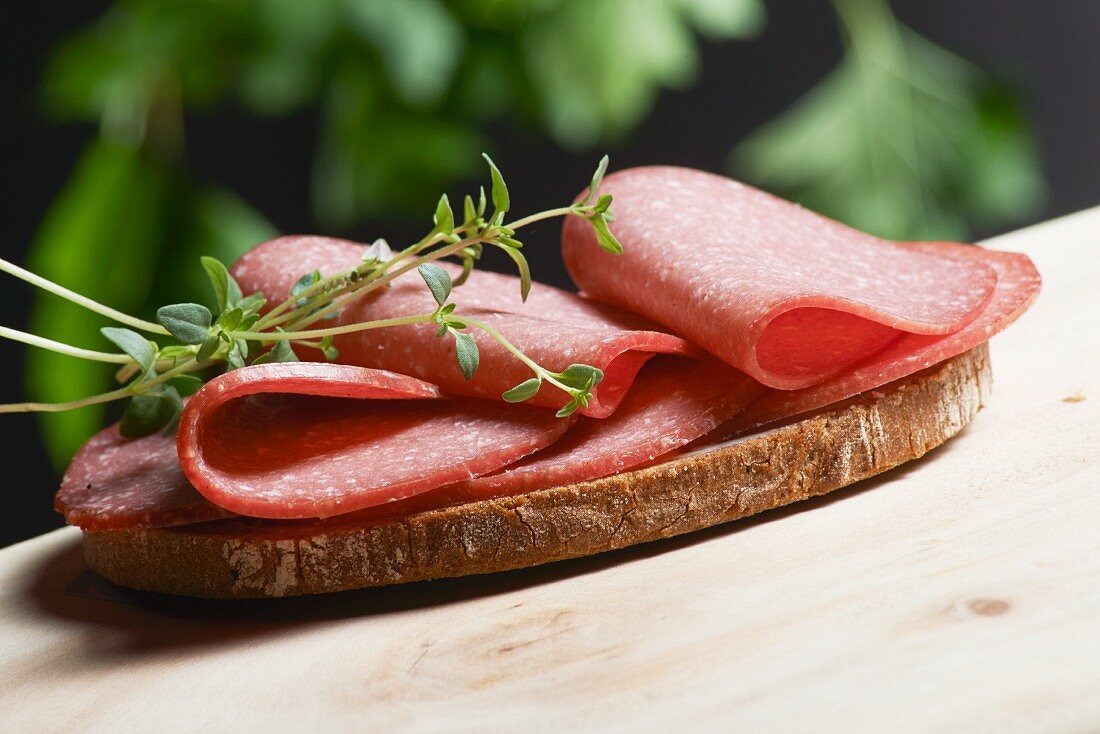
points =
(156, 377)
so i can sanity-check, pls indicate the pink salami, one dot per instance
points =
(1018, 286)
(790, 297)
(555, 328)
(673, 402)
(284, 441)
(117, 483)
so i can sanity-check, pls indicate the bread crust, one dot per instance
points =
(839, 446)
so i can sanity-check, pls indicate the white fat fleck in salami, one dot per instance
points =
(554, 328)
(788, 296)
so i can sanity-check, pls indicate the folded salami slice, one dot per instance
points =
(1017, 288)
(309, 440)
(673, 402)
(790, 297)
(555, 328)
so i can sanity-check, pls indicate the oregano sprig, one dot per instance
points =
(243, 331)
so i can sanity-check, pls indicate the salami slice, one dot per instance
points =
(309, 440)
(117, 483)
(555, 328)
(1017, 288)
(673, 402)
(790, 297)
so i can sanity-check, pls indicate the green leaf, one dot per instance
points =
(438, 280)
(98, 239)
(469, 212)
(523, 391)
(226, 290)
(231, 319)
(597, 179)
(209, 345)
(133, 344)
(306, 281)
(604, 237)
(581, 376)
(482, 204)
(237, 356)
(568, 409)
(330, 352)
(148, 413)
(603, 204)
(280, 352)
(501, 201)
(444, 218)
(188, 322)
(467, 354)
(524, 271)
(252, 303)
(896, 140)
(283, 352)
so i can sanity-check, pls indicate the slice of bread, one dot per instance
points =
(833, 448)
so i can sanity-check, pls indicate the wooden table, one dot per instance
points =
(959, 593)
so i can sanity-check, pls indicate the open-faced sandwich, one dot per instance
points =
(729, 352)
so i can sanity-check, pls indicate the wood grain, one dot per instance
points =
(958, 593)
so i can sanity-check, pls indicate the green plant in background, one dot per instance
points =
(404, 90)
(903, 139)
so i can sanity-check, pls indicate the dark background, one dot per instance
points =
(1049, 50)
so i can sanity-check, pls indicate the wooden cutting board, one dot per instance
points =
(959, 593)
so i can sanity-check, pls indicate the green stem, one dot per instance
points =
(269, 336)
(60, 348)
(540, 371)
(367, 287)
(88, 303)
(548, 214)
(119, 394)
(62, 407)
(350, 292)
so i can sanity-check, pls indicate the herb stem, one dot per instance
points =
(548, 214)
(94, 306)
(538, 369)
(61, 348)
(360, 289)
(106, 397)
(424, 318)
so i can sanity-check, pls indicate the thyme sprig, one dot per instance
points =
(155, 377)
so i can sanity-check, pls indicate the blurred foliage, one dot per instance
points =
(903, 139)
(404, 90)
